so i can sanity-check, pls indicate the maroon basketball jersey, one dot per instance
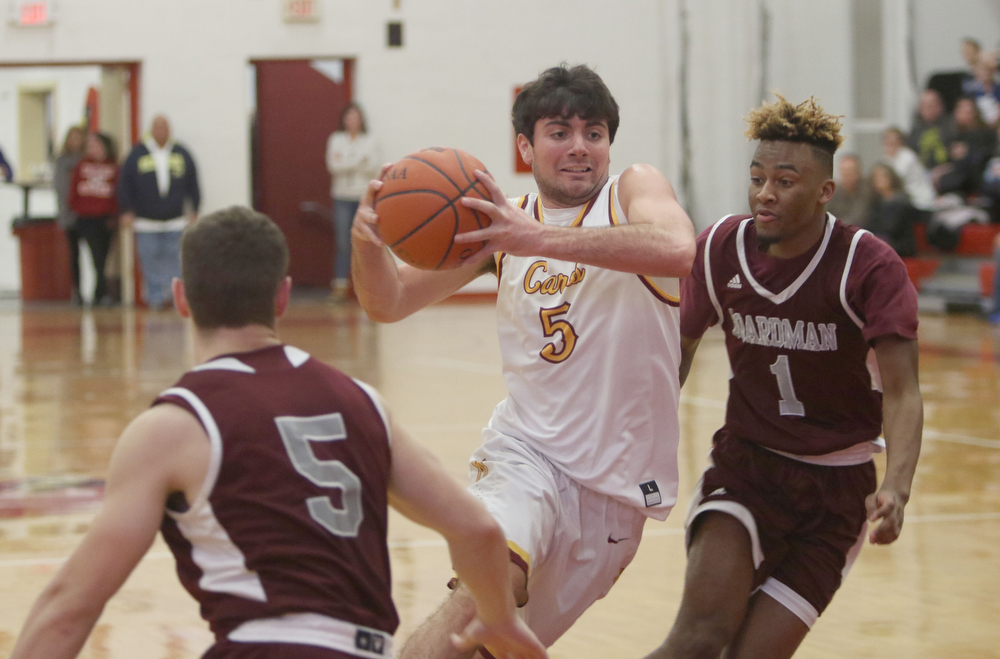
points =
(292, 515)
(798, 331)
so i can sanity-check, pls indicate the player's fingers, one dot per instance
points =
(385, 167)
(491, 186)
(474, 236)
(480, 205)
(374, 186)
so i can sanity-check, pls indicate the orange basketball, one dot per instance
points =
(419, 209)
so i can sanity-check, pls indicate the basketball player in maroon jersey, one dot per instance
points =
(269, 474)
(781, 512)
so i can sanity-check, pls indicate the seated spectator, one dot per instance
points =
(905, 163)
(972, 52)
(933, 130)
(989, 189)
(852, 196)
(985, 89)
(973, 145)
(994, 316)
(891, 215)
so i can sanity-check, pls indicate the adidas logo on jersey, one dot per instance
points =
(735, 282)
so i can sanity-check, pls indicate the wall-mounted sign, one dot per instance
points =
(31, 12)
(301, 11)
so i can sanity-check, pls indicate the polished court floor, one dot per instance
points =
(71, 379)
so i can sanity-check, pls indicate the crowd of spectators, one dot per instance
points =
(155, 191)
(943, 173)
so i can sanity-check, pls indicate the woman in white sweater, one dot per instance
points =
(353, 159)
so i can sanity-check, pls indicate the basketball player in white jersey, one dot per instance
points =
(584, 447)
(269, 474)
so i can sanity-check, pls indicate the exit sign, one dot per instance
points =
(301, 11)
(31, 12)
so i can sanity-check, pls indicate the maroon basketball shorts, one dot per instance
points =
(806, 522)
(232, 650)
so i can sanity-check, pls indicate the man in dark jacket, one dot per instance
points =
(158, 195)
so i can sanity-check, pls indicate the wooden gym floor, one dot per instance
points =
(71, 379)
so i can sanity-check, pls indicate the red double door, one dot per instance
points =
(298, 105)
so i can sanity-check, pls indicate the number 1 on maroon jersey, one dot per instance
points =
(788, 405)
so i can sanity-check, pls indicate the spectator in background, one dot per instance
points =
(891, 215)
(852, 196)
(159, 196)
(933, 130)
(971, 53)
(62, 176)
(93, 198)
(352, 158)
(994, 316)
(968, 153)
(985, 90)
(6, 171)
(905, 163)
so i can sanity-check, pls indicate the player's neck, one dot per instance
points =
(801, 242)
(209, 344)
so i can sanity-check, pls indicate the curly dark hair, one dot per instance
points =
(564, 92)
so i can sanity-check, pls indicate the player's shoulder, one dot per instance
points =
(867, 248)
(725, 226)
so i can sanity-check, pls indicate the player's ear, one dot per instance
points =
(524, 146)
(281, 297)
(826, 192)
(180, 298)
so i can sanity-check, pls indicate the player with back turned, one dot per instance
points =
(584, 447)
(804, 301)
(269, 473)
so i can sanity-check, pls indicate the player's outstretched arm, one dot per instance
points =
(423, 491)
(143, 471)
(389, 291)
(658, 239)
(902, 422)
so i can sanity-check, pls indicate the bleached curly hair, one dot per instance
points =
(806, 122)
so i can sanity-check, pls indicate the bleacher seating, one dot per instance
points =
(962, 277)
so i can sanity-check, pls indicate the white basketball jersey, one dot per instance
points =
(591, 359)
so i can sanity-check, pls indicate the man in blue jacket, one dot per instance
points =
(158, 195)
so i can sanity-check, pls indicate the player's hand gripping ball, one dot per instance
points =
(420, 211)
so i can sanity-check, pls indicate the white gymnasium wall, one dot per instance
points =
(452, 83)
(940, 27)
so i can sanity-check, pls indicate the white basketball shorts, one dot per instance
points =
(571, 541)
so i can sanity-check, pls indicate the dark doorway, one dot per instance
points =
(298, 106)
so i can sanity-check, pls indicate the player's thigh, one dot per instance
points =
(594, 541)
(720, 572)
(769, 629)
(518, 487)
(816, 562)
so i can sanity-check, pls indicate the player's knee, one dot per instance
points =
(704, 636)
